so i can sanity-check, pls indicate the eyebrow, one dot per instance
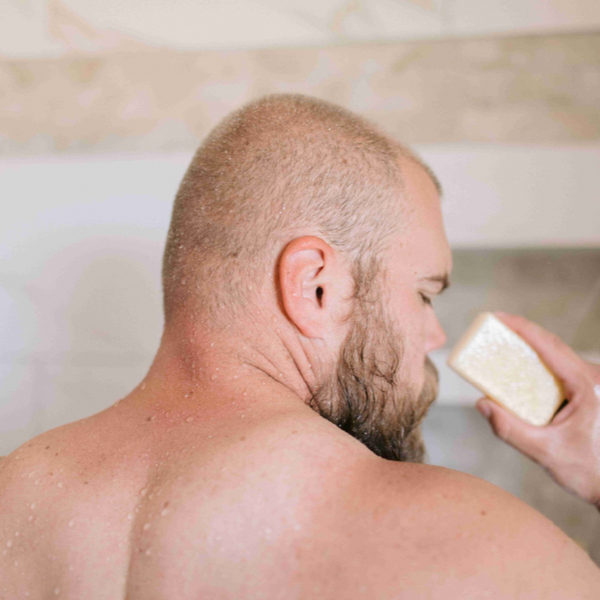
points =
(443, 279)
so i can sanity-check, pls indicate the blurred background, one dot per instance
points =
(103, 103)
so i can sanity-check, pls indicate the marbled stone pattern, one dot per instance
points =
(559, 288)
(529, 89)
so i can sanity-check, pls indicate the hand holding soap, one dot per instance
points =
(507, 370)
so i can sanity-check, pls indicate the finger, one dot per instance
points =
(528, 439)
(558, 356)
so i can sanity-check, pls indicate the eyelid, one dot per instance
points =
(426, 299)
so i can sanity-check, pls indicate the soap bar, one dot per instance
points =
(507, 370)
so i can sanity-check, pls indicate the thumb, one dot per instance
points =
(524, 437)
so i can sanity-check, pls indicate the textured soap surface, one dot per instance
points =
(506, 369)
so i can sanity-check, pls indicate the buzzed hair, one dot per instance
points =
(281, 167)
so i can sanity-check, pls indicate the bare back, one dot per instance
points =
(134, 505)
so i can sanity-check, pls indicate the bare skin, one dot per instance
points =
(221, 483)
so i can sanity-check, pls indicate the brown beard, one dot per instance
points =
(364, 396)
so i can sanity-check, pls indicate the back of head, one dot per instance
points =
(278, 168)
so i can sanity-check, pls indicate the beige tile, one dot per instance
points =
(587, 335)
(549, 286)
(531, 89)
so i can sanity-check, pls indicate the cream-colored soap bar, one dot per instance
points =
(506, 369)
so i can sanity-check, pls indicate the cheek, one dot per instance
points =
(409, 315)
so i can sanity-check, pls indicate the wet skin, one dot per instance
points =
(219, 482)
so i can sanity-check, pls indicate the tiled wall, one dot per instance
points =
(528, 89)
(557, 287)
(35, 28)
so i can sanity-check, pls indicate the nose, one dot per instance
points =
(436, 337)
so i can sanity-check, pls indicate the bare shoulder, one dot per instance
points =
(450, 533)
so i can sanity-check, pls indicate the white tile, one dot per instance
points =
(190, 24)
(390, 19)
(72, 393)
(474, 17)
(193, 25)
(494, 193)
(23, 30)
(82, 249)
(19, 318)
(19, 416)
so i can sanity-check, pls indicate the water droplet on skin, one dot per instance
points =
(189, 419)
(71, 522)
(30, 518)
(143, 387)
(153, 418)
(148, 552)
(5, 552)
(60, 484)
(16, 563)
(146, 526)
(56, 591)
(213, 377)
(17, 534)
(9, 544)
(130, 516)
(32, 506)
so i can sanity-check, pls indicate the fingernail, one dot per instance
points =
(485, 409)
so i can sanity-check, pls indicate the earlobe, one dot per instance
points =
(302, 277)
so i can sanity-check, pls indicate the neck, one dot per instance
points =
(254, 363)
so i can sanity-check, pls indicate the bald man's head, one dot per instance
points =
(278, 168)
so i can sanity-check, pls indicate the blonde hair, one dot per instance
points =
(279, 167)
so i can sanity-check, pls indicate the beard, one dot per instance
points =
(365, 395)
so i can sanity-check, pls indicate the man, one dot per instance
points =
(273, 450)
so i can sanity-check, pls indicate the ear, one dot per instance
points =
(309, 278)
